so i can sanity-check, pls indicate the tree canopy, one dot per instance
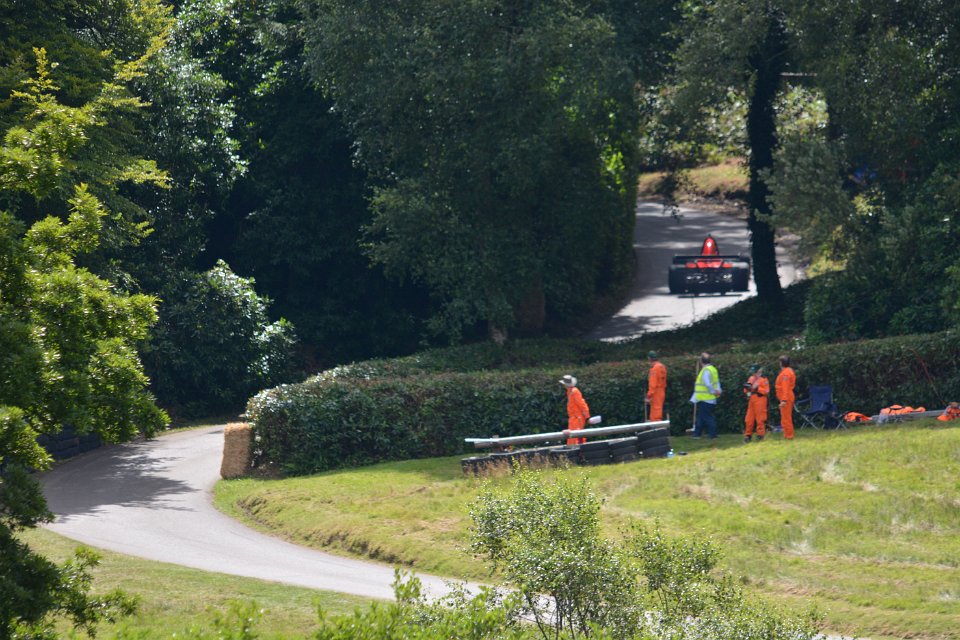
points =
(69, 341)
(499, 139)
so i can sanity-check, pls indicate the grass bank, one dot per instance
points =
(174, 599)
(864, 524)
(725, 181)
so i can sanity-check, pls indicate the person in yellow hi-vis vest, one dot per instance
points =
(706, 391)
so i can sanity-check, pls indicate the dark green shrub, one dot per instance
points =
(214, 345)
(329, 422)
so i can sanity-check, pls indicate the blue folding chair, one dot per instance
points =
(819, 411)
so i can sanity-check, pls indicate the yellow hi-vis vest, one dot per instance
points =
(700, 390)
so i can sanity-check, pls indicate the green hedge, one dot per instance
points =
(330, 421)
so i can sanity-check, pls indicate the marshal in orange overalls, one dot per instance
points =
(786, 381)
(656, 390)
(577, 413)
(757, 390)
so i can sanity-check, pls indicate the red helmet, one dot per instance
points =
(710, 247)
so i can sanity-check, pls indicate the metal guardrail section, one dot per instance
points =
(486, 443)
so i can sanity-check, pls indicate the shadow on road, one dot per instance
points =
(128, 475)
(628, 326)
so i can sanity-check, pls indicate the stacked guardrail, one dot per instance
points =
(650, 440)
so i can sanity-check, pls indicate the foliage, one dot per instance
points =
(720, 331)
(488, 614)
(898, 278)
(499, 139)
(884, 69)
(237, 623)
(97, 56)
(36, 592)
(328, 422)
(68, 336)
(571, 580)
(675, 571)
(545, 535)
(545, 539)
(234, 349)
(293, 218)
(189, 128)
(882, 171)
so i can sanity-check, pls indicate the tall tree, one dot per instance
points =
(68, 354)
(888, 72)
(86, 40)
(293, 219)
(500, 140)
(740, 44)
(767, 60)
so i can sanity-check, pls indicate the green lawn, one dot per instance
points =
(174, 599)
(863, 523)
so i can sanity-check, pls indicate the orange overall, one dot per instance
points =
(786, 381)
(656, 390)
(757, 392)
(952, 412)
(577, 413)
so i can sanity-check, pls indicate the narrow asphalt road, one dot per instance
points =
(658, 236)
(153, 500)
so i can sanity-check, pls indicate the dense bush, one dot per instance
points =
(330, 422)
(215, 345)
(901, 273)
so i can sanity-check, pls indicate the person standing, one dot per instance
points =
(577, 410)
(706, 391)
(656, 387)
(757, 389)
(786, 381)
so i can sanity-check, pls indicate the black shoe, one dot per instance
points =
(759, 438)
(749, 438)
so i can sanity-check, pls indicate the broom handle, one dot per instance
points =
(696, 375)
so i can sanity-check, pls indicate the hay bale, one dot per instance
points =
(237, 441)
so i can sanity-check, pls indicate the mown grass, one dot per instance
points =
(175, 599)
(725, 181)
(864, 524)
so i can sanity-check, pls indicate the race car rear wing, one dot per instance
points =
(696, 257)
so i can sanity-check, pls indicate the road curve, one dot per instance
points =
(153, 499)
(657, 237)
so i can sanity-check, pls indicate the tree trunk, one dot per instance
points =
(767, 63)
